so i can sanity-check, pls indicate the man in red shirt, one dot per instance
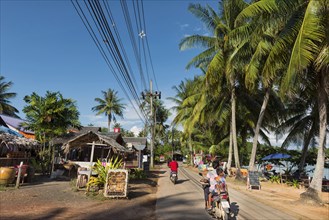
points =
(173, 166)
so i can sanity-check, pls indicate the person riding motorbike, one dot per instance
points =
(221, 186)
(212, 178)
(173, 167)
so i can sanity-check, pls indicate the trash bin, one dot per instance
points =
(146, 166)
(30, 174)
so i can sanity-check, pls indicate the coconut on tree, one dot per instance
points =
(110, 105)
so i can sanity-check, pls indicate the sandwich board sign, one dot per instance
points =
(253, 180)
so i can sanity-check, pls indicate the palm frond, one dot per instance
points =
(196, 41)
(306, 46)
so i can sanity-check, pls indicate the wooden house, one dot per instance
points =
(138, 148)
(76, 145)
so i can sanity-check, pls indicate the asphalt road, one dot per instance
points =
(185, 200)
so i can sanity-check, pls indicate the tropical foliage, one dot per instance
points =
(264, 68)
(102, 170)
(50, 116)
(110, 105)
(5, 107)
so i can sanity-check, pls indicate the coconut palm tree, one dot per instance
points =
(301, 119)
(110, 105)
(302, 46)
(219, 55)
(260, 75)
(5, 107)
(184, 106)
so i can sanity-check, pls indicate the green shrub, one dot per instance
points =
(275, 179)
(137, 174)
(100, 180)
(294, 183)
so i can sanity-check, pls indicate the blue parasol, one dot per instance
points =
(276, 156)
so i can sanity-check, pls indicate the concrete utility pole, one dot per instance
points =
(152, 95)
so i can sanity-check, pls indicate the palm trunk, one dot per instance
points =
(257, 129)
(229, 160)
(306, 143)
(109, 123)
(316, 183)
(191, 148)
(235, 142)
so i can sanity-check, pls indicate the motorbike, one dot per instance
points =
(220, 201)
(173, 177)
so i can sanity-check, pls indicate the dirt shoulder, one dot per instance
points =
(46, 199)
(283, 197)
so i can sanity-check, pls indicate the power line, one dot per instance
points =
(101, 24)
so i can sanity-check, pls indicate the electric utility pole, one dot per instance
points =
(152, 95)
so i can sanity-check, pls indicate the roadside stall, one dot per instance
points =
(101, 148)
(14, 151)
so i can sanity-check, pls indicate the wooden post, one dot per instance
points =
(91, 159)
(19, 174)
(139, 159)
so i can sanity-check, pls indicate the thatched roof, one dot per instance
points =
(73, 134)
(83, 139)
(13, 140)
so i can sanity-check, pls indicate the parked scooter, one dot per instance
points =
(173, 177)
(220, 201)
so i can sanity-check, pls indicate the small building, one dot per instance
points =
(76, 144)
(16, 143)
(138, 147)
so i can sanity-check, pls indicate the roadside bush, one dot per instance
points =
(95, 183)
(275, 179)
(137, 174)
(294, 183)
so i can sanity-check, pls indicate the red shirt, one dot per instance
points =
(173, 165)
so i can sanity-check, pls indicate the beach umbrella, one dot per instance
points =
(276, 156)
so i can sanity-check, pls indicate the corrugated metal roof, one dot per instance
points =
(15, 123)
(139, 140)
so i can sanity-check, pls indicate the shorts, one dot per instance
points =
(206, 193)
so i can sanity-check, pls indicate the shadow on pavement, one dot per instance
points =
(181, 181)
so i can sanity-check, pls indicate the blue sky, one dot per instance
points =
(45, 46)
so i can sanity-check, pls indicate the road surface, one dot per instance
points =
(185, 200)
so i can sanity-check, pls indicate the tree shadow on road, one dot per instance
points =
(181, 181)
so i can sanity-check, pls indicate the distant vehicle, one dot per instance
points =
(162, 158)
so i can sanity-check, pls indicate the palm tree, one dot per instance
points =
(51, 115)
(5, 107)
(303, 48)
(220, 54)
(48, 117)
(185, 99)
(260, 75)
(110, 106)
